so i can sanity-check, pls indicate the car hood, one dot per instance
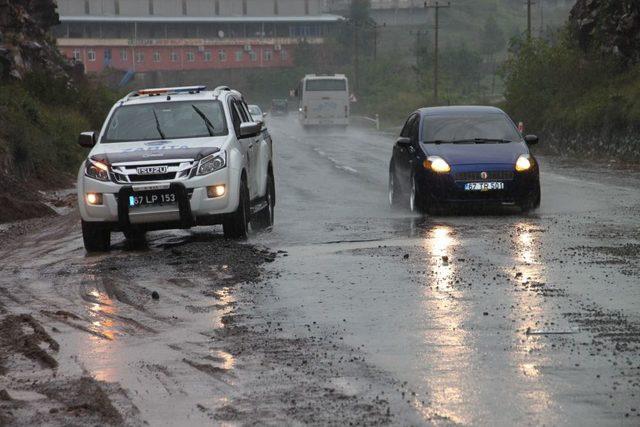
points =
(191, 148)
(468, 154)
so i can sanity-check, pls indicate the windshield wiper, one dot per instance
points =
(437, 141)
(158, 124)
(481, 141)
(207, 122)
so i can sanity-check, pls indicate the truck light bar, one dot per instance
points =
(165, 91)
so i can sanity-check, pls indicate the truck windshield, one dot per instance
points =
(166, 120)
(469, 127)
(326, 85)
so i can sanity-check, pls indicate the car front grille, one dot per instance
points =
(491, 176)
(124, 173)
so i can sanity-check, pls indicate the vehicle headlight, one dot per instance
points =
(437, 164)
(96, 170)
(213, 162)
(523, 163)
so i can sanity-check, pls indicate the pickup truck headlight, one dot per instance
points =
(96, 170)
(523, 163)
(213, 162)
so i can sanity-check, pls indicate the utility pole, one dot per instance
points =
(437, 6)
(529, 4)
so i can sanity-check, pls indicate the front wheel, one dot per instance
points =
(394, 193)
(264, 218)
(236, 225)
(533, 202)
(96, 237)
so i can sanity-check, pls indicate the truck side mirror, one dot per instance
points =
(87, 139)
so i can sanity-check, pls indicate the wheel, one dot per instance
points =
(96, 237)
(533, 202)
(264, 218)
(416, 200)
(236, 225)
(395, 198)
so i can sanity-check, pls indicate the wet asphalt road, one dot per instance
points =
(366, 315)
(444, 303)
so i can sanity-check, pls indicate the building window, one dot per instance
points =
(156, 56)
(91, 55)
(151, 9)
(174, 56)
(207, 56)
(253, 55)
(191, 57)
(306, 7)
(268, 54)
(140, 57)
(116, 7)
(276, 10)
(107, 55)
(184, 7)
(76, 55)
(216, 7)
(244, 7)
(284, 55)
(222, 55)
(87, 8)
(239, 55)
(124, 54)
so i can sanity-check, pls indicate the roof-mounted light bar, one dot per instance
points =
(165, 91)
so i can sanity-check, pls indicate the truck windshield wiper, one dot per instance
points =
(207, 122)
(158, 124)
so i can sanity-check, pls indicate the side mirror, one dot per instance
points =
(531, 139)
(264, 115)
(87, 139)
(250, 129)
(404, 141)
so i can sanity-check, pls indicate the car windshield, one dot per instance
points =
(255, 111)
(166, 120)
(469, 127)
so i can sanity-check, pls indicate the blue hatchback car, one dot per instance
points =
(473, 156)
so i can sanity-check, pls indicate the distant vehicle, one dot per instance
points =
(447, 156)
(279, 107)
(256, 113)
(324, 100)
(175, 158)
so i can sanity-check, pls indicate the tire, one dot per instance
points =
(416, 200)
(236, 225)
(264, 218)
(395, 197)
(533, 202)
(96, 237)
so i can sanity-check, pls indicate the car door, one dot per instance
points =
(404, 153)
(252, 151)
(245, 143)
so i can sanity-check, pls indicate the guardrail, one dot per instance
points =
(375, 121)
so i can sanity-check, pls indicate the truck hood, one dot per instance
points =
(191, 148)
(469, 154)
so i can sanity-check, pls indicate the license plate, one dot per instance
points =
(483, 186)
(152, 199)
(151, 170)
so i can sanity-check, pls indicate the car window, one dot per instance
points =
(163, 120)
(469, 126)
(414, 128)
(407, 126)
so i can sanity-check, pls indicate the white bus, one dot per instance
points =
(324, 100)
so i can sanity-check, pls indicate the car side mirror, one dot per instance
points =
(531, 139)
(264, 115)
(250, 129)
(404, 141)
(87, 139)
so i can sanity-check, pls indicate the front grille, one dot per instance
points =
(154, 177)
(491, 176)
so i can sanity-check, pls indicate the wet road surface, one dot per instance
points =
(356, 313)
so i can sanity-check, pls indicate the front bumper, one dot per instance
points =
(193, 206)
(449, 189)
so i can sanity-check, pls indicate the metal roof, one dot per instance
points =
(201, 19)
(459, 109)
